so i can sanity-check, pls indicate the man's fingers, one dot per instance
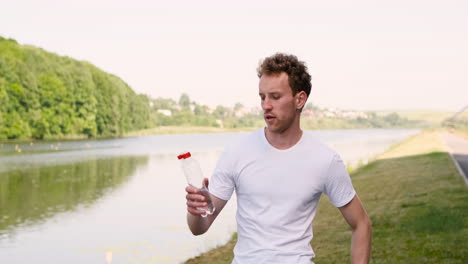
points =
(195, 211)
(195, 197)
(191, 189)
(196, 204)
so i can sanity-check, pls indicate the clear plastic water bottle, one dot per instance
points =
(194, 176)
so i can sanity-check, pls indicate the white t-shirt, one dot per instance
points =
(277, 195)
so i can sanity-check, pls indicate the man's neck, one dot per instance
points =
(285, 139)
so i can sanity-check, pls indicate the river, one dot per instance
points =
(72, 201)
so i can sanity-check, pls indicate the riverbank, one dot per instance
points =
(308, 124)
(417, 201)
(164, 130)
(161, 130)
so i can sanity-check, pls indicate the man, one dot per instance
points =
(279, 174)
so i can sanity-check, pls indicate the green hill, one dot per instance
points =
(43, 95)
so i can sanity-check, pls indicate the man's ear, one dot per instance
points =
(301, 99)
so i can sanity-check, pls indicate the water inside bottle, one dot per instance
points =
(209, 209)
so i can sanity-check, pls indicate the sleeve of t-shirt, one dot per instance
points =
(338, 186)
(222, 181)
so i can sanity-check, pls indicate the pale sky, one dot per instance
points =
(366, 54)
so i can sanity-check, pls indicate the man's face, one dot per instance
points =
(278, 103)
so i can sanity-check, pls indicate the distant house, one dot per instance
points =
(354, 115)
(165, 112)
(241, 112)
(256, 110)
(329, 114)
(308, 112)
(220, 123)
(210, 110)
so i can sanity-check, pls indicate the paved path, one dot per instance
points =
(458, 147)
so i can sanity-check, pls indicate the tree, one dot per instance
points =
(46, 95)
(238, 106)
(184, 101)
(221, 112)
(392, 119)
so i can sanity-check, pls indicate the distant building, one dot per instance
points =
(329, 114)
(220, 123)
(242, 112)
(309, 113)
(334, 113)
(354, 115)
(256, 110)
(210, 110)
(165, 112)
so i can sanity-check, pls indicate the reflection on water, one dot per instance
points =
(33, 195)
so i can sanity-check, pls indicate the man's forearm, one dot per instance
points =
(197, 224)
(361, 244)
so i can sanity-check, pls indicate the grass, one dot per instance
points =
(417, 201)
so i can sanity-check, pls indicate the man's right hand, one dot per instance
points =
(197, 199)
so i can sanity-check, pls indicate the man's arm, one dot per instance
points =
(357, 218)
(198, 224)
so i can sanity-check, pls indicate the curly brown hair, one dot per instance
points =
(299, 78)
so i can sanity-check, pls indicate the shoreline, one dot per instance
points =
(8, 148)
(172, 130)
(162, 130)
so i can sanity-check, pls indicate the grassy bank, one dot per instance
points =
(161, 130)
(416, 199)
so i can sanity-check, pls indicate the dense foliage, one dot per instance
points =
(45, 95)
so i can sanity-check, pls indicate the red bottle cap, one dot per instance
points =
(184, 156)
